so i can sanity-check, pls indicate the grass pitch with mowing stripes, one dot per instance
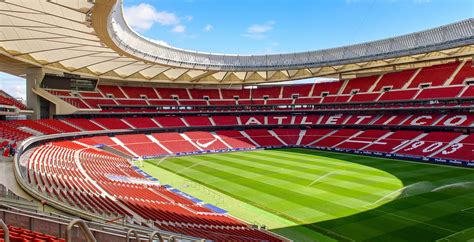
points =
(309, 195)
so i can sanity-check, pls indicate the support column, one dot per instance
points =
(34, 77)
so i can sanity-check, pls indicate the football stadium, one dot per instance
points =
(126, 138)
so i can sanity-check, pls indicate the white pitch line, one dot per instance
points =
(322, 177)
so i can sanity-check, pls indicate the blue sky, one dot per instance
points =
(275, 26)
(278, 26)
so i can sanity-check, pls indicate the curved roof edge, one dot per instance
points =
(440, 38)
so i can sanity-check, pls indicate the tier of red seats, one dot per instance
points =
(36, 126)
(194, 121)
(141, 123)
(139, 92)
(58, 125)
(439, 93)
(435, 75)
(300, 90)
(53, 166)
(206, 141)
(84, 124)
(235, 139)
(7, 100)
(201, 93)
(10, 131)
(394, 80)
(111, 123)
(263, 138)
(18, 234)
(74, 125)
(113, 90)
(360, 84)
(465, 73)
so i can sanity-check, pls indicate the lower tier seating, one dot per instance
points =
(18, 234)
(94, 181)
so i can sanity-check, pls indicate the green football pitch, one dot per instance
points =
(309, 195)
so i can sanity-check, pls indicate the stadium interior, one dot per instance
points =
(77, 159)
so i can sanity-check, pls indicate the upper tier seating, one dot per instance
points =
(269, 92)
(232, 93)
(201, 93)
(79, 103)
(395, 80)
(396, 87)
(139, 92)
(300, 90)
(435, 75)
(331, 88)
(170, 93)
(464, 74)
(360, 84)
(440, 93)
(113, 90)
(397, 95)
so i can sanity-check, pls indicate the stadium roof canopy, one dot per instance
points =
(92, 38)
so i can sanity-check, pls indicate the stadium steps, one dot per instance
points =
(127, 123)
(455, 73)
(249, 138)
(300, 138)
(408, 83)
(158, 143)
(98, 124)
(121, 144)
(277, 137)
(322, 137)
(185, 137)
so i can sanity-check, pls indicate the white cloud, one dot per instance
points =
(160, 42)
(179, 29)
(260, 28)
(142, 17)
(208, 28)
(258, 31)
(14, 86)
